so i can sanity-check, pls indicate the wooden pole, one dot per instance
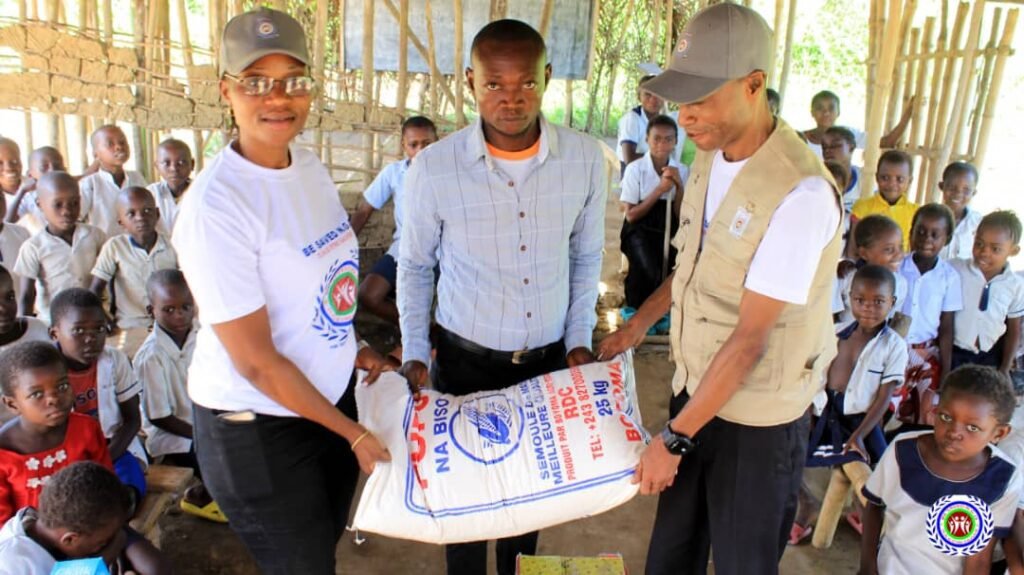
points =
(319, 57)
(655, 33)
(986, 79)
(943, 117)
(896, 93)
(435, 74)
(992, 97)
(82, 125)
(924, 50)
(780, 7)
(460, 58)
(928, 150)
(29, 140)
(368, 10)
(786, 64)
(910, 74)
(53, 120)
(873, 129)
(669, 44)
(403, 56)
(568, 103)
(186, 54)
(876, 26)
(390, 5)
(545, 18)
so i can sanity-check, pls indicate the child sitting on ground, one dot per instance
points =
(878, 241)
(162, 366)
(45, 436)
(63, 254)
(909, 491)
(870, 364)
(895, 174)
(102, 380)
(126, 262)
(993, 296)
(82, 513)
(651, 187)
(959, 184)
(174, 163)
(376, 292)
(933, 296)
(100, 190)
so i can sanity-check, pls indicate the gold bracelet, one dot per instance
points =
(360, 438)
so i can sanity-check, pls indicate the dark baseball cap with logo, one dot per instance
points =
(253, 35)
(720, 43)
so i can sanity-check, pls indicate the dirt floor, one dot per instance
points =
(199, 547)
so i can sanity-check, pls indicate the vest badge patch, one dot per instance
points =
(740, 221)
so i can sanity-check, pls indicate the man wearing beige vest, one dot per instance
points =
(752, 334)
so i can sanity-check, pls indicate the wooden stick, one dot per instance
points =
(545, 16)
(435, 74)
(655, 33)
(186, 54)
(920, 82)
(943, 117)
(390, 5)
(780, 7)
(968, 69)
(29, 140)
(403, 56)
(986, 79)
(788, 50)
(896, 92)
(460, 58)
(873, 130)
(992, 97)
(568, 103)
(319, 57)
(368, 13)
(933, 108)
(910, 74)
(53, 120)
(669, 29)
(875, 29)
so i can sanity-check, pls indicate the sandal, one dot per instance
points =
(798, 533)
(853, 518)
(211, 511)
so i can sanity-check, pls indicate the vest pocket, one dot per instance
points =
(766, 374)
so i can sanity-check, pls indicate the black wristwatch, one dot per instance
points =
(677, 443)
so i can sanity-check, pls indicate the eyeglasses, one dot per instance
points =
(296, 86)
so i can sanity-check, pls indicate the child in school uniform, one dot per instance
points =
(651, 186)
(837, 145)
(934, 295)
(894, 176)
(126, 262)
(23, 209)
(174, 163)
(632, 130)
(878, 241)
(993, 296)
(102, 380)
(908, 491)
(959, 184)
(83, 512)
(870, 365)
(377, 290)
(100, 190)
(62, 255)
(45, 436)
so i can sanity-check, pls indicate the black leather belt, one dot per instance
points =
(519, 357)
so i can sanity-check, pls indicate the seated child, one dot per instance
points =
(12, 237)
(837, 145)
(81, 513)
(62, 255)
(894, 176)
(933, 296)
(162, 366)
(23, 209)
(632, 134)
(174, 163)
(919, 469)
(14, 329)
(126, 262)
(825, 111)
(986, 328)
(376, 292)
(959, 184)
(45, 436)
(651, 186)
(99, 190)
(878, 241)
(101, 379)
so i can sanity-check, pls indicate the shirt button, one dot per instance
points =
(522, 214)
(511, 183)
(526, 281)
(522, 248)
(529, 315)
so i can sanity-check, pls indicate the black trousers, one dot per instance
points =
(285, 483)
(736, 493)
(459, 373)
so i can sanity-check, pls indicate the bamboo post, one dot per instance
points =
(655, 33)
(943, 117)
(319, 56)
(545, 17)
(403, 55)
(780, 7)
(435, 75)
(186, 54)
(390, 5)
(788, 49)
(992, 97)
(460, 58)
(29, 143)
(368, 9)
(82, 125)
(986, 79)
(924, 50)
(876, 26)
(896, 93)
(910, 72)
(53, 121)
(934, 95)
(873, 129)
(669, 45)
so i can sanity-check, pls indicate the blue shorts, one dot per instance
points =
(129, 471)
(387, 268)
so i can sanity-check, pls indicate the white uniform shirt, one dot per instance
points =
(640, 179)
(57, 266)
(387, 186)
(975, 330)
(99, 198)
(12, 236)
(883, 360)
(908, 489)
(168, 205)
(19, 553)
(928, 296)
(633, 130)
(961, 245)
(127, 266)
(250, 237)
(35, 330)
(163, 370)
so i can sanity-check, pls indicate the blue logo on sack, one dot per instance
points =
(487, 429)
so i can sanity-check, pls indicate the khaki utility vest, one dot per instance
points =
(709, 282)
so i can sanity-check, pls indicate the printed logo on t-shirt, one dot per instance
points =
(960, 525)
(336, 302)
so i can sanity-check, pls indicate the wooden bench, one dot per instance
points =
(850, 476)
(164, 485)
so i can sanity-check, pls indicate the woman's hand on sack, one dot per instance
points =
(372, 363)
(619, 341)
(416, 374)
(369, 451)
(579, 356)
(657, 469)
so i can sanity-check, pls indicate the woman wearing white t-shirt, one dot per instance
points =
(273, 263)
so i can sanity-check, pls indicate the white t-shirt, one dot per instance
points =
(787, 257)
(640, 179)
(19, 553)
(11, 238)
(127, 266)
(250, 237)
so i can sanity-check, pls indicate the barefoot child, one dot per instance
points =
(959, 184)
(126, 262)
(62, 255)
(102, 380)
(82, 513)
(99, 191)
(919, 469)
(993, 296)
(174, 163)
(162, 366)
(45, 436)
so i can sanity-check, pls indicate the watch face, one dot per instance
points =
(675, 443)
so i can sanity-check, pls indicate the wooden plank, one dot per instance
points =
(168, 478)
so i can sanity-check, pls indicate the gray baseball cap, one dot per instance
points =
(720, 43)
(253, 35)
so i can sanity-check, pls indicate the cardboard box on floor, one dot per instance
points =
(553, 565)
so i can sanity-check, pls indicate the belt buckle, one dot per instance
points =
(518, 357)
